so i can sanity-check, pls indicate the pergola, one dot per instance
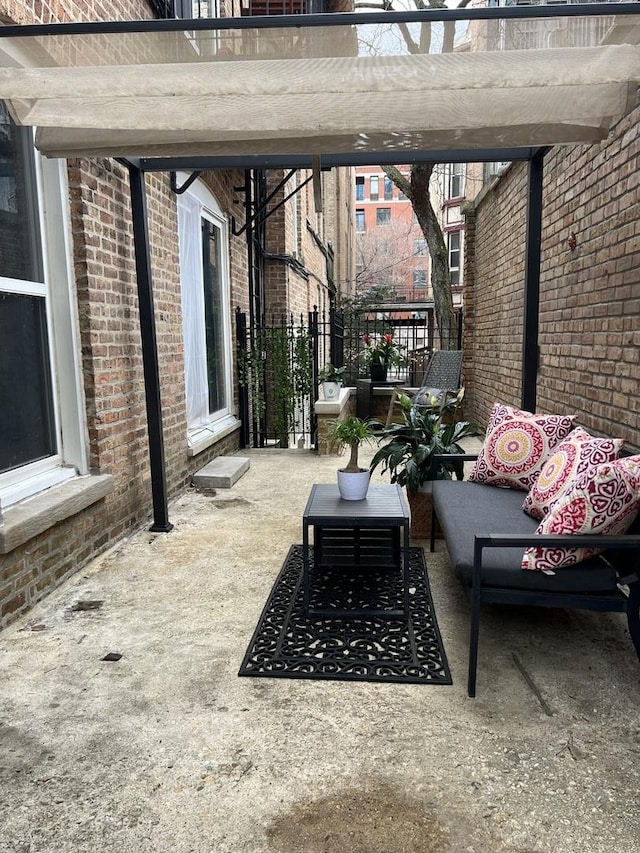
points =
(316, 91)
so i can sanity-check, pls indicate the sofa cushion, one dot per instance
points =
(468, 509)
(516, 446)
(602, 500)
(576, 454)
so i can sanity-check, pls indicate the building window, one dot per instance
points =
(373, 188)
(204, 280)
(454, 180)
(360, 226)
(453, 248)
(40, 380)
(419, 278)
(420, 247)
(388, 189)
(383, 215)
(490, 170)
(359, 189)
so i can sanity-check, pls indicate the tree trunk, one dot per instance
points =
(353, 467)
(417, 191)
(440, 276)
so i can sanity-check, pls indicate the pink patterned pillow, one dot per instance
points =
(575, 455)
(603, 500)
(516, 446)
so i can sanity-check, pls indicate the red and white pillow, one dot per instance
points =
(601, 500)
(517, 445)
(576, 454)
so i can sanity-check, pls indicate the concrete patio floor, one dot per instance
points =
(167, 749)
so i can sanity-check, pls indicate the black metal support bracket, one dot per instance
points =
(261, 214)
(178, 190)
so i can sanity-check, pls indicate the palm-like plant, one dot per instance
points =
(351, 432)
(410, 446)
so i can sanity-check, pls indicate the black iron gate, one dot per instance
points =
(278, 380)
(278, 366)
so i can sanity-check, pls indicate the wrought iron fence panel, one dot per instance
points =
(277, 376)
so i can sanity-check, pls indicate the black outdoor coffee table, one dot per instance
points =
(356, 535)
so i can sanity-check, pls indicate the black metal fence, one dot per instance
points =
(278, 365)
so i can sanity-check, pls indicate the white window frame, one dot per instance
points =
(204, 427)
(58, 289)
(451, 250)
(454, 172)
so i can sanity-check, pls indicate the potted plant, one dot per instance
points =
(408, 455)
(381, 355)
(331, 379)
(353, 481)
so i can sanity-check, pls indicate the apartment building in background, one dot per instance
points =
(392, 256)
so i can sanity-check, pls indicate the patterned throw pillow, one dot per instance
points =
(603, 500)
(517, 445)
(575, 455)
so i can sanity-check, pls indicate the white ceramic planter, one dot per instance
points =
(353, 487)
(331, 390)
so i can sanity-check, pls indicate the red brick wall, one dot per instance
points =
(590, 295)
(109, 327)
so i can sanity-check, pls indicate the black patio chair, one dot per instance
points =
(440, 383)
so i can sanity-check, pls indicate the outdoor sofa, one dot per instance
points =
(487, 531)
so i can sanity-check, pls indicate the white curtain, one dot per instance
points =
(195, 351)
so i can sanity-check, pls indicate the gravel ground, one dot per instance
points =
(166, 749)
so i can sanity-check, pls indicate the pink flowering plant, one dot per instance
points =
(384, 351)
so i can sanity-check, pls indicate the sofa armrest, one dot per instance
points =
(569, 540)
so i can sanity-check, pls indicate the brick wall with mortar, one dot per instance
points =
(291, 287)
(109, 331)
(590, 295)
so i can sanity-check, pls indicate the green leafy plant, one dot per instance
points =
(330, 373)
(351, 432)
(277, 370)
(410, 446)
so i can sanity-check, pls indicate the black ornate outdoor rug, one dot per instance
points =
(287, 644)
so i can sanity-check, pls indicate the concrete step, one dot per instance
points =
(221, 473)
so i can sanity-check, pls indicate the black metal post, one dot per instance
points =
(531, 319)
(314, 343)
(161, 522)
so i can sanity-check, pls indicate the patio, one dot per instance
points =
(167, 749)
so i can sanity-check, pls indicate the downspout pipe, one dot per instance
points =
(151, 370)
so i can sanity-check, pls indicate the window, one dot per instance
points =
(196, 9)
(454, 180)
(384, 249)
(295, 213)
(453, 248)
(359, 189)
(420, 246)
(40, 380)
(360, 226)
(373, 188)
(204, 279)
(383, 215)
(388, 189)
(490, 170)
(419, 278)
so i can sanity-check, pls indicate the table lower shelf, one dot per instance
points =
(357, 567)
